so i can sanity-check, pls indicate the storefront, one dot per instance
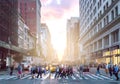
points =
(112, 55)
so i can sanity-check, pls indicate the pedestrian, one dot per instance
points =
(19, 70)
(116, 70)
(33, 70)
(39, 71)
(57, 72)
(81, 70)
(106, 68)
(98, 69)
(11, 69)
(110, 70)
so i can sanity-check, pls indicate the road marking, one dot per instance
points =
(26, 77)
(73, 78)
(45, 76)
(10, 77)
(52, 76)
(91, 76)
(66, 77)
(97, 77)
(79, 77)
(85, 78)
(106, 77)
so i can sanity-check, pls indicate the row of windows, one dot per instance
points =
(105, 21)
(105, 42)
(85, 19)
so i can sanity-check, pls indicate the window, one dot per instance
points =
(94, 1)
(115, 36)
(116, 10)
(104, 8)
(100, 24)
(113, 1)
(112, 14)
(107, 5)
(100, 13)
(103, 0)
(94, 10)
(100, 2)
(107, 19)
(104, 21)
(95, 46)
(98, 5)
(100, 43)
(106, 41)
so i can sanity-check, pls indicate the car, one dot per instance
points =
(52, 68)
(25, 65)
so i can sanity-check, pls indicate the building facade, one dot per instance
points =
(46, 41)
(31, 13)
(8, 31)
(99, 35)
(72, 38)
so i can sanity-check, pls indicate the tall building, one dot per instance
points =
(8, 30)
(30, 10)
(100, 31)
(45, 41)
(72, 38)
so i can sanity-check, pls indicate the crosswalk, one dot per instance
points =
(76, 76)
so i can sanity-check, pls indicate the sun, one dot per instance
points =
(59, 46)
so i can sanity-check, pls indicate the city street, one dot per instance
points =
(88, 78)
(59, 41)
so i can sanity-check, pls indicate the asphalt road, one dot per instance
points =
(88, 78)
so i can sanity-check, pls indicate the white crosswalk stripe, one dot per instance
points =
(97, 77)
(52, 76)
(76, 76)
(79, 76)
(91, 76)
(105, 77)
(73, 77)
(26, 77)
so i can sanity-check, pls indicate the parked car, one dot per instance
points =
(25, 64)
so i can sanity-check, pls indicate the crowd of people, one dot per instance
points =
(110, 69)
(63, 71)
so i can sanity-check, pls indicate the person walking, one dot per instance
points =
(106, 69)
(33, 71)
(110, 70)
(98, 70)
(57, 72)
(116, 70)
(11, 69)
(39, 70)
(81, 70)
(19, 70)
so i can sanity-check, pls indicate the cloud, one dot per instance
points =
(53, 10)
(55, 13)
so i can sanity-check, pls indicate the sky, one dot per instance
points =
(55, 14)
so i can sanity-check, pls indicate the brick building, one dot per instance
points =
(8, 29)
